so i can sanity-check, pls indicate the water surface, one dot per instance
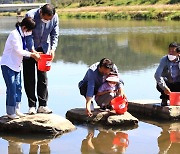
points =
(136, 48)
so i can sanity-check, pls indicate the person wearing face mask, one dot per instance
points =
(94, 78)
(14, 51)
(109, 90)
(44, 39)
(167, 74)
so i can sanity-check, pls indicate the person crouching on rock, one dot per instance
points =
(94, 78)
(14, 50)
(168, 73)
(110, 89)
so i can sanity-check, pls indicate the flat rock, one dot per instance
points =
(38, 123)
(109, 118)
(153, 109)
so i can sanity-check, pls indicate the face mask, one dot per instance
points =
(112, 84)
(45, 21)
(171, 57)
(27, 33)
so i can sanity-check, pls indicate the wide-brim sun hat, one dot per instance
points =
(113, 78)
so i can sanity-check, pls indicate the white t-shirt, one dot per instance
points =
(13, 51)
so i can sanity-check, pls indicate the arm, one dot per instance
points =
(30, 43)
(103, 92)
(29, 39)
(88, 109)
(104, 89)
(121, 92)
(54, 36)
(17, 45)
(158, 74)
(90, 91)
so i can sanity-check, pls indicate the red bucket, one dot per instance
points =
(175, 136)
(44, 64)
(119, 104)
(175, 99)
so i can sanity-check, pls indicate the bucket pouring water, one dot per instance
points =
(44, 64)
(174, 98)
(119, 104)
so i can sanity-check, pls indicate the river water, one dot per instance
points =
(136, 48)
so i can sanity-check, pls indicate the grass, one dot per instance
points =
(159, 12)
(146, 12)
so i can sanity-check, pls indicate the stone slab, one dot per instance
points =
(38, 123)
(153, 108)
(109, 118)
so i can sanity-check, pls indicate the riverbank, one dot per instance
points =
(157, 12)
(136, 12)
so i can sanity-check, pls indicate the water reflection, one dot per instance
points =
(169, 139)
(105, 142)
(132, 45)
(37, 143)
(16, 148)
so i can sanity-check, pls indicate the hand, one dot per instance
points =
(89, 113)
(88, 108)
(52, 53)
(110, 91)
(36, 56)
(167, 91)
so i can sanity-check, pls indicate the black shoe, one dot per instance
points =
(164, 102)
(109, 107)
(103, 109)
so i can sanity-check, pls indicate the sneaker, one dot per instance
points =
(18, 113)
(164, 102)
(44, 109)
(12, 116)
(32, 110)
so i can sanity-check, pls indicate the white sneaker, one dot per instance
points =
(18, 113)
(12, 116)
(32, 110)
(44, 109)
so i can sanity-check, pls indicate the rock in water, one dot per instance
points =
(38, 123)
(79, 115)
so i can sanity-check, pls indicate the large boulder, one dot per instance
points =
(38, 123)
(109, 118)
(153, 109)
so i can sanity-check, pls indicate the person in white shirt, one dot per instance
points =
(14, 51)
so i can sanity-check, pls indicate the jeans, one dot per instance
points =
(29, 67)
(13, 92)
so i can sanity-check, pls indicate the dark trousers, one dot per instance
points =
(29, 67)
(174, 87)
(83, 88)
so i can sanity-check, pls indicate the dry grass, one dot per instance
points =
(169, 8)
